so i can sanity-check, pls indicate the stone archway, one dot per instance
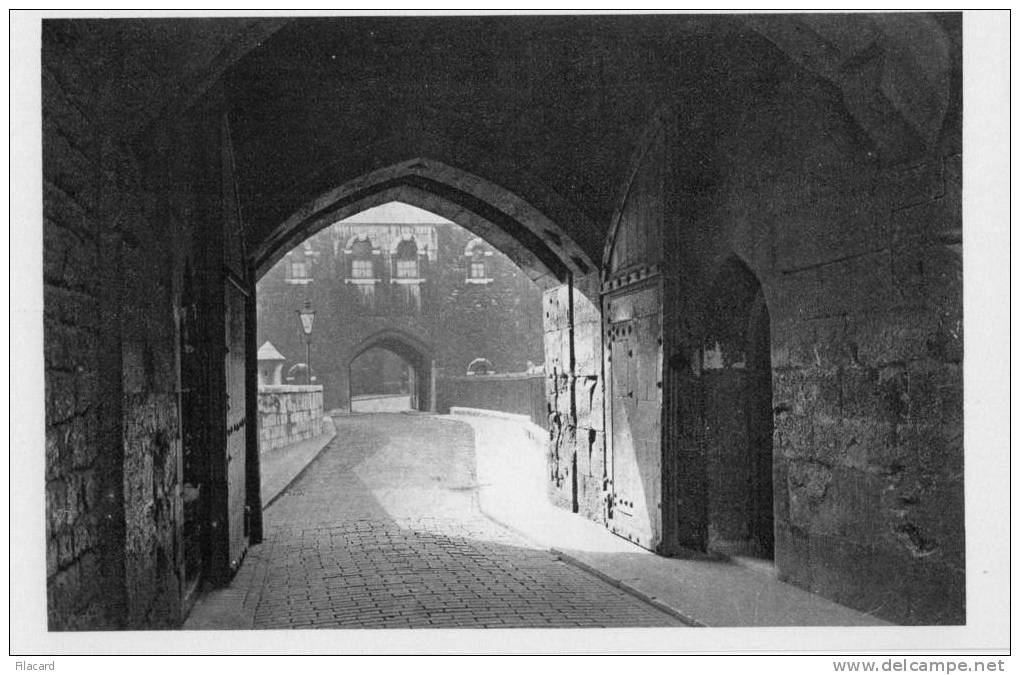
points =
(539, 246)
(415, 352)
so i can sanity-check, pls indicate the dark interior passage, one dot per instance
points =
(758, 413)
(738, 416)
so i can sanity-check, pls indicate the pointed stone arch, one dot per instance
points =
(506, 221)
(418, 354)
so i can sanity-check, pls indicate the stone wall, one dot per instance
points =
(112, 432)
(857, 254)
(119, 216)
(869, 398)
(72, 239)
(519, 394)
(288, 414)
(574, 395)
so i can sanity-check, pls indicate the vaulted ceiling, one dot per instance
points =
(548, 107)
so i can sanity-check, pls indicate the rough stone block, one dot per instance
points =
(61, 111)
(862, 283)
(586, 310)
(852, 506)
(68, 348)
(65, 548)
(829, 224)
(554, 309)
(581, 452)
(910, 184)
(587, 349)
(60, 208)
(805, 343)
(70, 170)
(792, 555)
(69, 307)
(807, 484)
(923, 222)
(68, 259)
(82, 537)
(802, 392)
(553, 353)
(930, 444)
(936, 595)
(934, 392)
(793, 344)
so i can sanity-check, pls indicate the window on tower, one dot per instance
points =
(478, 256)
(362, 262)
(407, 260)
(297, 271)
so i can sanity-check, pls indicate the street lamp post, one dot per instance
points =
(307, 316)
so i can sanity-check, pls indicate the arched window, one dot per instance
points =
(478, 254)
(361, 266)
(407, 260)
(362, 261)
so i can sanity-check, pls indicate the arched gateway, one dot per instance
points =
(418, 355)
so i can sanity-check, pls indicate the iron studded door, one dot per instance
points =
(236, 423)
(634, 363)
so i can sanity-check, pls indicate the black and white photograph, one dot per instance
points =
(509, 332)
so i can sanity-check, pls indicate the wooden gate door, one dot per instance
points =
(236, 430)
(632, 295)
(634, 365)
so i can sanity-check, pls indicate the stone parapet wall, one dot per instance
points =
(288, 414)
(518, 393)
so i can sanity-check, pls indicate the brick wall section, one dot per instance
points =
(288, 414)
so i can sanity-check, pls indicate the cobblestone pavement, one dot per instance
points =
(384, 531)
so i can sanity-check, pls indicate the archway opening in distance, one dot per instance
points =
(401, 278)
(381, 381)
(391, 371)
(412, 312)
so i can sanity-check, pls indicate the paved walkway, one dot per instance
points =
(381, 403)
(384, 530)
(280, 467)
(701, 590)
